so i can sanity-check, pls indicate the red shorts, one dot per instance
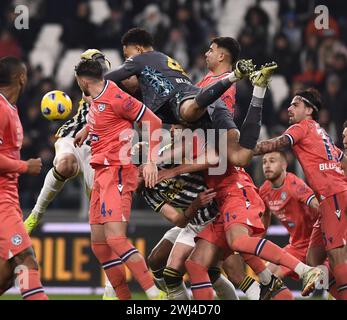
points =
(214, 233)
(242, 206)
(13, 237)
(112, 194)
(316, 239)
(334, 220)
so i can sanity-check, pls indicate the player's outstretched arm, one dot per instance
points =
(271, 145)
(180, 219)
(201, 163)
(150, 170)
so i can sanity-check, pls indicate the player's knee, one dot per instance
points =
(190, 111)
(154, 260)
(27, 259)
(67, 166)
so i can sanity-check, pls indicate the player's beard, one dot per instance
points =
(274, 176)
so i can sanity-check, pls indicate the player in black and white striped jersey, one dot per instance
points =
(186, 202)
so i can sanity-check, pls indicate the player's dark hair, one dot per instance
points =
(311, 98)
(89, 68)
(9, 66)
(229, 44)
(137, 36)
(345, 124)
(282, 154)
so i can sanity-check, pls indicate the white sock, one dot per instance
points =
(225, 290)
(50, 189)
(152, 292)
(109, 291)
(259, 92)
(265, 276)
(301, 268)
(178, 293)
(253, 292)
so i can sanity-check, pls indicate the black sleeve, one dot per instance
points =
(129, 68)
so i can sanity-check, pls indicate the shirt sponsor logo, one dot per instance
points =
(327, 166)
(181, 80)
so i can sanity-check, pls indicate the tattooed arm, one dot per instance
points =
(271, 145)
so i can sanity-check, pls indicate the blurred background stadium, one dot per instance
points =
(59, 31)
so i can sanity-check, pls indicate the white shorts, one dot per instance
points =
(188, 234)
(82, 154)
(172, 234)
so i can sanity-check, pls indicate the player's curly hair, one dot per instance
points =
(89, 68)
(311, 98)
(229, 44)
(137, 36)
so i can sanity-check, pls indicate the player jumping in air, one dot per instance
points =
(169, 93)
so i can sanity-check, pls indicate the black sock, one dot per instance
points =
(211, 93)
(158, 273)
(250, 129)
(172, 277)
(214, 274)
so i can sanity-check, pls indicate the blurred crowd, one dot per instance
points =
(183, 29)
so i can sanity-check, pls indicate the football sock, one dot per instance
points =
(282, 294)
(269, 252)
(225, 290)
(135, 262)
(113, 267)
(159, 279)
(250, 287)
(200, 282)
(108, 290)
(333, 288)
(340, 273)
(52, 185)
(251, 126)
(174, 284)
(31, 288)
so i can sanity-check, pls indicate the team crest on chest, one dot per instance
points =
(101, 107)
(284, 195)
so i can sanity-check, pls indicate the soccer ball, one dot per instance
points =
(56, 105)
